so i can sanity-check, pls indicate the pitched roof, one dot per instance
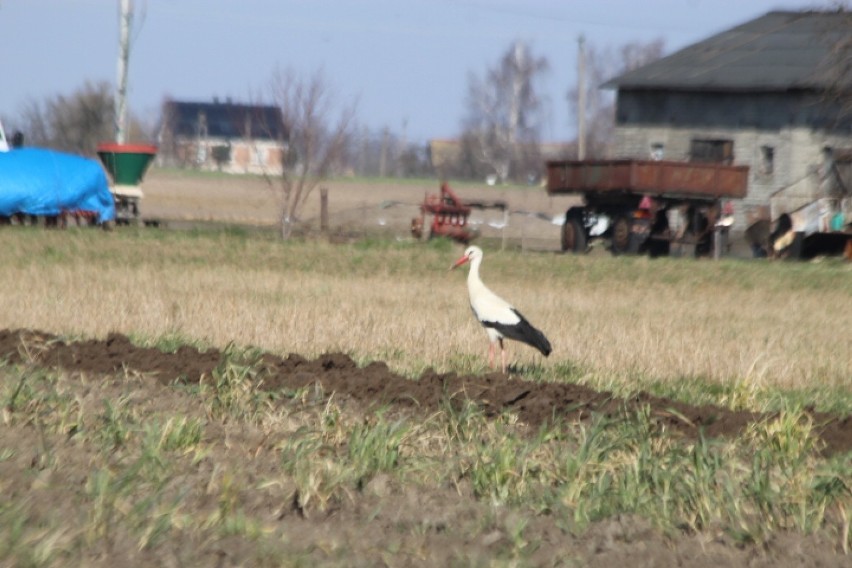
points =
(777, 51)
(225, 120)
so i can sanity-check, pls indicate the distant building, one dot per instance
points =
(757, 95)
(223, 136)
(558, 150)
(444, 154)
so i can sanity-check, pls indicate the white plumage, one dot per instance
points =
(499, 318)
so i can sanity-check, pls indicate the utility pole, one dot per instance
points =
(365, 146)
(383, 157)
(401, 146)
(123, 58)
(581, 97)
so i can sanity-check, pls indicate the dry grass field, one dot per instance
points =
(135, 467)
(620, 320)
(379, 206)
(755, 323)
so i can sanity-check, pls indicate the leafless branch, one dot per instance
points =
(317, 144)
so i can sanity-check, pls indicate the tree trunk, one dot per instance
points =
(286, 226)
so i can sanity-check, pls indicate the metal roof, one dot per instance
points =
(776, 52)
(225, 119)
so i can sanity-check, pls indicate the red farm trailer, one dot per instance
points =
(645, 205)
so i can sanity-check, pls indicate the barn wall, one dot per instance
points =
(791, 125)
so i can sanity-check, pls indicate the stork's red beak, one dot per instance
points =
(460, 261)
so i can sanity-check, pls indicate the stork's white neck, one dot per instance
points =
(474, 282)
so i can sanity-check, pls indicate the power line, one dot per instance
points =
(551, 17)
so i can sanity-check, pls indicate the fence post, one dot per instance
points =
(323, 209)
(505, 227)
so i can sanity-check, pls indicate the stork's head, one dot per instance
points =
(471, 253)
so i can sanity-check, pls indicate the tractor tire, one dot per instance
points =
(629, 235)
(574, 237)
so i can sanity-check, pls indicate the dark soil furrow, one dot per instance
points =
(375, 384)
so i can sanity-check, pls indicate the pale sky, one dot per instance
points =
(405, 61)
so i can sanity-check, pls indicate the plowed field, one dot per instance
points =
(427, 526)
(376, 385)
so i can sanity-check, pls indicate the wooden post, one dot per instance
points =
(323, 209)
(505, 227)
(581, 97)
(717, 243)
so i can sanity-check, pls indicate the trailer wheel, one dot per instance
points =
(574, 236)
(621, 230)
(629, 235)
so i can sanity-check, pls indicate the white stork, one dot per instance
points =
(496, 315)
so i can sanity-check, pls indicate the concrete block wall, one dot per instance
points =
(782, 121)
(798, 154)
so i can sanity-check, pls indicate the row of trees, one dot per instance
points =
(73, 123)
(500, 132)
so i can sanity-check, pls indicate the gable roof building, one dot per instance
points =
(232, 137)
(779, 51)
(760, 94)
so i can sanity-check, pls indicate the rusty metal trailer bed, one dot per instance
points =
(631, 202)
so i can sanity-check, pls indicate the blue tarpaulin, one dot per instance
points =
(37, 181)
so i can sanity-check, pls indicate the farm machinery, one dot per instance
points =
(812, 215)
(449, 215)
(647, 205)
(126, 164)
(43, 184)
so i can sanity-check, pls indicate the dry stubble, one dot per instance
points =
(617, 319)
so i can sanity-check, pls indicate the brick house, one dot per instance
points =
(753, 95)
(224, 136)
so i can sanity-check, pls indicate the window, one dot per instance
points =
(721, 151)
(258, 156)
(841, 164)
(767, 160)
(826, 165)
(834, 173)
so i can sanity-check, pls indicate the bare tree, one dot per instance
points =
(316, 143)
(504, 111)
(32, 121)
(74, 123)
(603, 64)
